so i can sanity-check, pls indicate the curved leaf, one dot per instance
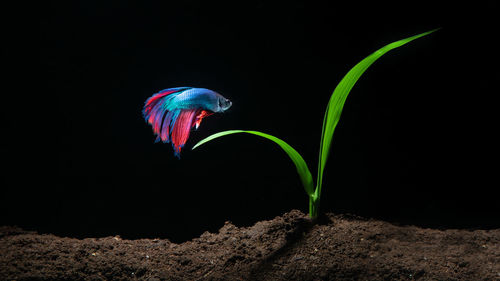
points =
(300, 164)
(337, 100)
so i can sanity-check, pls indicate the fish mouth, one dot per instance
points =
(227, 105)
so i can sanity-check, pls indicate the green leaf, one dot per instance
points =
(300, 164)
(337, 100)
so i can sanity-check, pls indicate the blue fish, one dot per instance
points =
(173, 112)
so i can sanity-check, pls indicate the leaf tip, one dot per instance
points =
(196, 145)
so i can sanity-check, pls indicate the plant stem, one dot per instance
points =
(313, 206)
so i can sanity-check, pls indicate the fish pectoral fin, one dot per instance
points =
(200, 117)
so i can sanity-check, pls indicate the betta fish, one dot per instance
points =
(173, 112)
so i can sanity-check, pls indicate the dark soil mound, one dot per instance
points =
(289, 247)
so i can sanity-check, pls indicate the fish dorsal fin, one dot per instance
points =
(154, 99)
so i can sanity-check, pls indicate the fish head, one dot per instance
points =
(223, 103)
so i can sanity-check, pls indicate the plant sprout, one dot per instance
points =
(330, 121)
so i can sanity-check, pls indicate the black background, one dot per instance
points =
(415, 145)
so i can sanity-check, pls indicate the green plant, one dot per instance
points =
(330, 121)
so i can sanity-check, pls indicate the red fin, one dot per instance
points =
(182, 127)
(153, 100)
(200, 117)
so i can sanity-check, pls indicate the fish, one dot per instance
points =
(173, 112)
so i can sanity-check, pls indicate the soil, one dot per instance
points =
(289, 247)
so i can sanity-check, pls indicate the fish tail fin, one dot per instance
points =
(155, 111)
(166, 126)
(182, 127)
